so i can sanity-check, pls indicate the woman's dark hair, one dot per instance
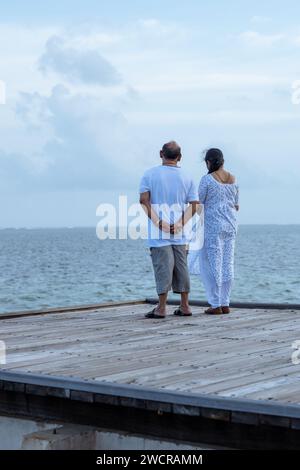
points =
(216, 159)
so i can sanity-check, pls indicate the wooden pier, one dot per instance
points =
(226, 381)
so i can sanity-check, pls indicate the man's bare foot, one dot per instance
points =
(160, 311)
(186, 309)
(179, 312)
(154, 314)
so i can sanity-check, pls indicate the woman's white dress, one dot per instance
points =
(215, 261)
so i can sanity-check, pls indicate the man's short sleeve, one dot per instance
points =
(192, 193)
(145, 183)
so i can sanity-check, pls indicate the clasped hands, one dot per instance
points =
(171, 228)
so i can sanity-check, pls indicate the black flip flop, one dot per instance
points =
(152, 314)
(179, 313)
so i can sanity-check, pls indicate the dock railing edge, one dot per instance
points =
(69, 309)
(134, 395)
(149, 300)
(234, 304)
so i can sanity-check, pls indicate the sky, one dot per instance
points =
(94, 88)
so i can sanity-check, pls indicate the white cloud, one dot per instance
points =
(79, 66)
(19, 48)
(188, 81)
(253, 38)
(82, 136)
(261, 19)
(19, 40)
(140, 35)
(155, 27)
(75, 135)
(94, 39)
(223, 117)
(87, 146)
(2, 92)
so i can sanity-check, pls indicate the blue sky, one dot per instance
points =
(95, 87)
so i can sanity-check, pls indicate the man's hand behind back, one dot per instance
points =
(165, 227)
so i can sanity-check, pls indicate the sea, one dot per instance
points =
(43, 268)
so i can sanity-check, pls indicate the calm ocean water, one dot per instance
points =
(57, 267)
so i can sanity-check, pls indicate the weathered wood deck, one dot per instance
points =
(244, 355)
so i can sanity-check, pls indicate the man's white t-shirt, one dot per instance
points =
(170, 192)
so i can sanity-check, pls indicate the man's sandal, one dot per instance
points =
(179, 313)
(153, 314)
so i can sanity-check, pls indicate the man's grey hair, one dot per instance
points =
(171, 150)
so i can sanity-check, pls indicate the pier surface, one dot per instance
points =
(244, 359)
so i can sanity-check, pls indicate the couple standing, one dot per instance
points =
(170, 200)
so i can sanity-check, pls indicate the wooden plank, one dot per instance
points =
(242, 353)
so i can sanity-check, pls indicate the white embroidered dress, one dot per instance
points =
(220, 228)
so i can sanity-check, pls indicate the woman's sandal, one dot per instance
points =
(214, 311)
(225, 309)
(152, 314)
(179, 313)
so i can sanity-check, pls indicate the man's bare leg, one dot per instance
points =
(184, 305)
(161, 309)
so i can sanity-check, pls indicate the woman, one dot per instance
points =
(218, 192)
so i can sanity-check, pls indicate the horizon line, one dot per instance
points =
(61, 227)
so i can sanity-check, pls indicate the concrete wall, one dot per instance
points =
(36, 435)
(13, 430)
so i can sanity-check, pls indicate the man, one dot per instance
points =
(170, 199)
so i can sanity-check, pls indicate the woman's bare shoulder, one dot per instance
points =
(231, 178)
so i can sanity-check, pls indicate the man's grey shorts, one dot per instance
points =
(170, 268)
